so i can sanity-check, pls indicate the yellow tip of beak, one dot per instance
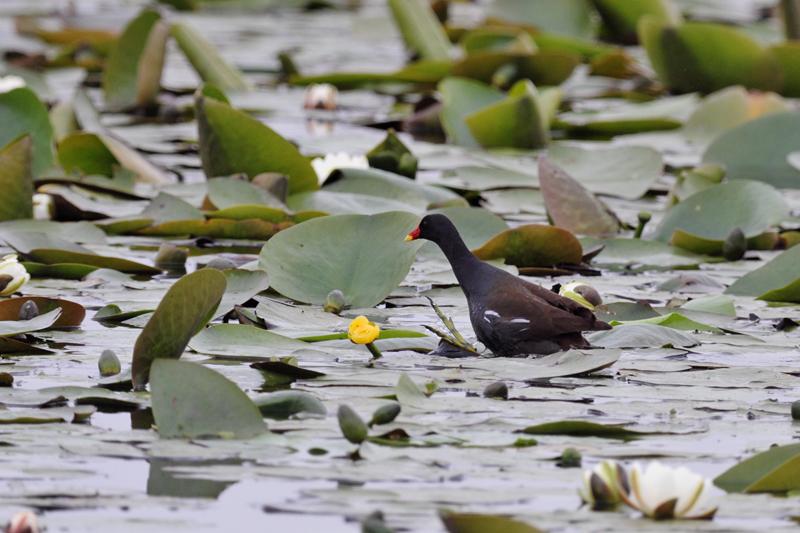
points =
(409, 238)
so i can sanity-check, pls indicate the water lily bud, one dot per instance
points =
(663, 493)
(796, 410)
(570, 458)
(321, 96)
(584, 294)
(28, 310)
(735, 245)
(643, 217)
(334, 302)
(6, 379)
(171, 257)
(23, 522)
(602, 485)
(109, 364)
(362, 331)
(221, 263)
(385, 414)
(498, 389)
(11, 268)
(353, 428)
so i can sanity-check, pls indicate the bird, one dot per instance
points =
(510, 316)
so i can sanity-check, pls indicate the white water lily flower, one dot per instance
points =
(662, 492)
(9, 83)
(321, 96)
(323, 166)
(23, 522)
(12, 275)
(602, 485)
(43, 206)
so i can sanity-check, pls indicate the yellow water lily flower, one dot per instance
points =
(664, 493)
(362, 331)
(12, 275)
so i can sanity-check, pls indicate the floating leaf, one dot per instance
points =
(230, 192)
(582, 428)
(365, 257)
(22, 113)
(706, 57)
(532, 245)
(571, 206)
(55, 257)
(243, 341)
(622, 171)
(621, 17)
(641, 335)
(232, 142)
(671, 320)
(185, 309)
(775, 281)
(217, 228)
(72, 314)
(16, 180)
(420, 28)
(568, 17)
(206, 60)
(460, 98)
(283, 404)
(191, 401)
(86, 154)
(711, 214)
(133, 70)
(760, 150)
(775, 470)
(379, 183)
(484, 523)
(632, 254)
(11, 328)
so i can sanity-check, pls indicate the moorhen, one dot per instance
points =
(509, 315)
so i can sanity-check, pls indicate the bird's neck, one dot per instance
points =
(465, 265)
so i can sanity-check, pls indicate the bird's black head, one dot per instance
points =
(436, 228)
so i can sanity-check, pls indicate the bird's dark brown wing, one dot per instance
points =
(547, 314)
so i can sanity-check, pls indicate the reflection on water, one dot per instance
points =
(163, 480)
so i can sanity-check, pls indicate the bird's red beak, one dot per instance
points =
(414, 235)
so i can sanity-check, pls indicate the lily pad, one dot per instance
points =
(532, 245)
(10, 328)
(185, 309)
(641, 335)
(760, 150)
(191, 401)
(420, 29)
(775, 470)
(462, 97)
(484, 523)
(283, 404)
(22, 113)
(571, 206)
(582, 428)
(713, 213)
(568, 17)
(365, 257)
(16, 180)
(232, 142)
(72, 314)
(775, 281)
(206, 60)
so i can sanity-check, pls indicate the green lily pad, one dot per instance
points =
(11, 328)
(518, 121)
(16, 180)
(132, 74)
(232, 142)
(671, 320)
(365, 257)
(706, 57)
(229, 192)
(374, 182)
(167, 208)
(641, 335)
(241, 286)
(639, 254)
(191, 401)
(713, 213)
(775, 470)
(244, 342)
(283, 404)
(206, 60)
(622, 171)
(248, 212)
(49, 256)
(426, 72)
(532, 245)
(86, 154)
(420, 29)
(217, 228)
(567, 17)
(775, 281)
(571, 206)
(342, 203)
(73, 271)
(460, 98)
(621, 17)
(760, 150)
(484, 523)
(22, 113)
(185, 309)
(582, 428)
